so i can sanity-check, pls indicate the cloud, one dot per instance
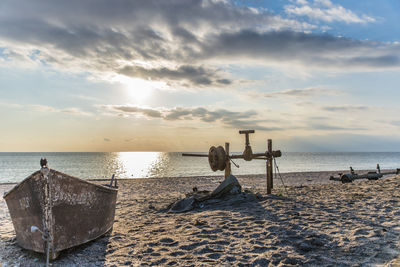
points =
(325, 10)
(330, 128)
(107, 140)
(185, 74)
(10, 105)
(310, 50)
(185, 43)
(231, 119)
(249, 124)
(104, 36)
(307, 92)
(72, 110)
(208, 115)
(395, 123)
(48, 109)
(346, 108)
(152, 113)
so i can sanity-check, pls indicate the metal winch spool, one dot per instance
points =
(217, 158)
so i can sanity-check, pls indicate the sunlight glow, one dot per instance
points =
(139, 89)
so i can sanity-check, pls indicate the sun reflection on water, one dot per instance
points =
(137, 164)
(157, 164)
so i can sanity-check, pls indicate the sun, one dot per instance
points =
(139, 90)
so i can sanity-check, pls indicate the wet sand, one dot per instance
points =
(318, 223)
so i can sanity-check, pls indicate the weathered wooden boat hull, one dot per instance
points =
(69, 210)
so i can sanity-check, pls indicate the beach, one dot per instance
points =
(313, 222)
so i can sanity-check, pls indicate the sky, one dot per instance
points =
(182, 75)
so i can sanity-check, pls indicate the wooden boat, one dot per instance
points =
(52, 211)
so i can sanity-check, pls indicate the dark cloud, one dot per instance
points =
(231, 119)
(144, 29)
(194, 75)
(324, 51)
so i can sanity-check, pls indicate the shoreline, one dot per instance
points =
(317, 176)
(316, 224)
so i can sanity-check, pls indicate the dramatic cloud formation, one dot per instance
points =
(176, 41)
(115, 38)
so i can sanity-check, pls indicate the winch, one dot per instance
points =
(220, 159)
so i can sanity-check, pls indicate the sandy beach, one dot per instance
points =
(317, 222)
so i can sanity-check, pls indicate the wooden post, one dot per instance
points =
(272, 162)
(228, 161)
(269, 168)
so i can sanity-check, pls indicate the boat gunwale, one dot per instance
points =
(111, 189)
(103, 187)
(19, 184)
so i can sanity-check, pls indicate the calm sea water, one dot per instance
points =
(14, 167)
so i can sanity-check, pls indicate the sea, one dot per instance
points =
(14, 167)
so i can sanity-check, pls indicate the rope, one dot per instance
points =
(280, 176)
(236, 165)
